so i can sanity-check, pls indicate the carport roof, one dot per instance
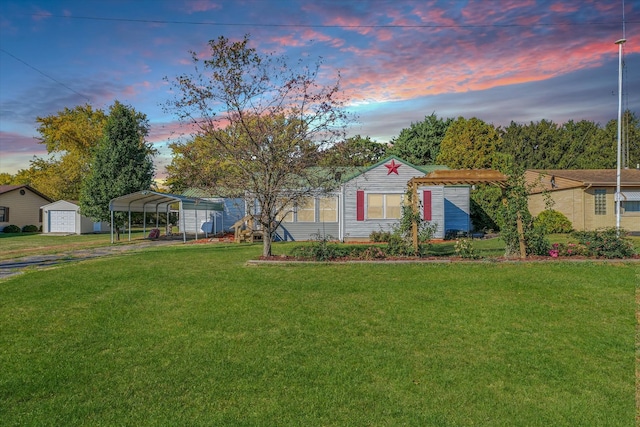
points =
(148, 201)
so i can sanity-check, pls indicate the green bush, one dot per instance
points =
(464, 249)
(11, 229)
(553, 222)
(380, 236)
(568, 249)
(321, 249)
(30, 229)
(537, 242)
(606, 242)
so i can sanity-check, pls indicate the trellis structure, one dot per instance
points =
(460, 177)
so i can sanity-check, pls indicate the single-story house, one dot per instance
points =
(213, 222)
(65, 217)
(370, 200)
(20, 206)
(587, 197)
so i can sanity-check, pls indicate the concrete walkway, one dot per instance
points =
(12, 267)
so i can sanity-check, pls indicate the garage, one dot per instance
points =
(62, 221)
(63, 217)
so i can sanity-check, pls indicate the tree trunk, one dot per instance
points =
(266, 242)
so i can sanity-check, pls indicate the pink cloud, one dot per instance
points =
(40, 14)
(563, 8)
(195, 6)
(12, 142)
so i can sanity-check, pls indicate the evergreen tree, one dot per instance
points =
(122, 163)
(470, 144)
(420, 143)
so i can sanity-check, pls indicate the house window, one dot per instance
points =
(632, 206)
(306, 211)
(286, 214)
(384, 206)
(328, 209)
(4, 214)
(600, 202)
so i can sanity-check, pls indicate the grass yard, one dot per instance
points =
(190, 335)
(26, 244)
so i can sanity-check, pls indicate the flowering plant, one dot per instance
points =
(464, 249)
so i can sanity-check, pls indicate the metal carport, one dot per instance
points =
(152, 201)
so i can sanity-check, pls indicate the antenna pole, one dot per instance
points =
(618, 195)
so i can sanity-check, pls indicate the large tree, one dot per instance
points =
(70, 137)
(194, 166)
(121, 164)
(264, 120)
(354, 151)
(420, 143)
(470, 144)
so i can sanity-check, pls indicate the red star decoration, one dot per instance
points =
(393, 167)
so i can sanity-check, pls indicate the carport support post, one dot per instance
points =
(184, 223)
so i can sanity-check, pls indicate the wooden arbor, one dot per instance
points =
(460, 177)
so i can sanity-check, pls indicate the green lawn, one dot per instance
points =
(26, 244)
(190, 335)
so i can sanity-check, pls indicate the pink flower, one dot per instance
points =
(554, 253)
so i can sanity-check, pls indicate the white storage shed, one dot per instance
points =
(64, 217)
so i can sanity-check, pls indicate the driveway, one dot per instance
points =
(15, 266)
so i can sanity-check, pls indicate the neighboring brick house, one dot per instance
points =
(587, 197)
(20, 205)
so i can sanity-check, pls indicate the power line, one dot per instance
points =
(239, 24)
(44, 74)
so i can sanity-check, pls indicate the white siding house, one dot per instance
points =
(214, 221)
(370, 200)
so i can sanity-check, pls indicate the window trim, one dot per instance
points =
(311, 209)
(334, 208)
(385, 206)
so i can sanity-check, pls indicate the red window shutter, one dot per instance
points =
(426, 203)
(360, 205)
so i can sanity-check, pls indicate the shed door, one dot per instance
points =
(62, 221)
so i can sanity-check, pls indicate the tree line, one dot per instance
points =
(474, 144)
(72, 136)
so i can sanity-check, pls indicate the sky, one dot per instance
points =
(399, 61)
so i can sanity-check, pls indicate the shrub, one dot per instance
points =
(373, 252)
(30, 229)
(606, 242)
(568, 249)
(553, 222)
(321, 249)
(399, 245)
(537, 242)
(11, 229)
(380, 236)
(464, 249)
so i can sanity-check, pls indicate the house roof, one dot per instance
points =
(595, 177)
(8, 188)
(147, 201)
(352, 172)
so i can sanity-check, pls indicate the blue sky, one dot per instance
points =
(500, 61)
